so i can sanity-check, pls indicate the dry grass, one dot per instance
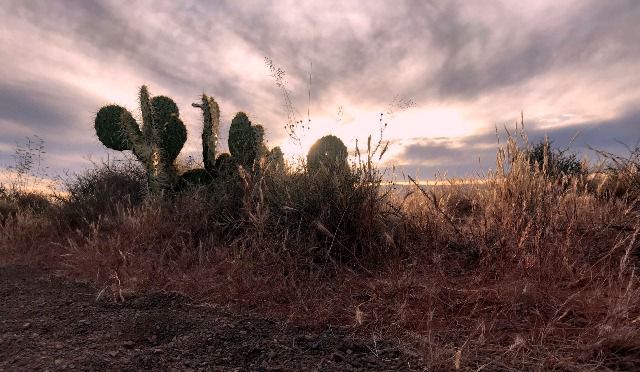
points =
(518, 272)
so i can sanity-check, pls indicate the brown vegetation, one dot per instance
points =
(522, 271)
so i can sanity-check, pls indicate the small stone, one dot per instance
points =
(113, 353)
(309, 337)
(128, 344)
(26, 325)
(158, 351)
(58, 362)
(59, 346)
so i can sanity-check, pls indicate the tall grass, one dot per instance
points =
(516, 270)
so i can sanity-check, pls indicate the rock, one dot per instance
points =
(309, 337)
(26, 325)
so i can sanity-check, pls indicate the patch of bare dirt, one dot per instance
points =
(50, 323)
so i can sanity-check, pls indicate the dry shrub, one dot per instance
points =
(13, 199)
(25, 224)
(513, 271)
(29, 238)
(100, 193)
(619, 175)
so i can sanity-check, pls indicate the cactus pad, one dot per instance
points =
(328, 152)
(110, 129)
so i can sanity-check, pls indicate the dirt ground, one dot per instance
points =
(50, 323)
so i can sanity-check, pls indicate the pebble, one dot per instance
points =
(26, 325)
(309, 337)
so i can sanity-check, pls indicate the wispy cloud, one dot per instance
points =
(468, 66)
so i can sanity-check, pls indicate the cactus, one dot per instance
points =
(225, 166)
(210, 129)
(275, 160)
(159, 139)
(246, 141)
(156, 144)
(329, 152)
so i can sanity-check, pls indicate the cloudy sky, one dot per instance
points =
(465, 67)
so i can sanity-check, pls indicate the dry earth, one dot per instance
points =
(50, 323)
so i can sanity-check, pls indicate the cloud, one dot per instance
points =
(469, 155)
(468, 66)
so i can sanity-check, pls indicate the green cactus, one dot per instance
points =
(225, 166)
(210, 129)
(156, 144)
(329, 152)
(246, 141)
(157, 141)
(275, 160)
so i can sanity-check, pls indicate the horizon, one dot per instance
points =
(444, 75)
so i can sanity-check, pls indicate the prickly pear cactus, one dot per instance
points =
(246, 141)
(225, 166)
(275, 160)
(329, 152)
(210, 129)
(156, 143)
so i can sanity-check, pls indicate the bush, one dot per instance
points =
(100, 192)
(554, 162)
(13, 200)
(337, 212)
(621, 176)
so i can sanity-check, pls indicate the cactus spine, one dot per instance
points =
(156, 144)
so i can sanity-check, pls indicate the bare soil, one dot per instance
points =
(48, 322)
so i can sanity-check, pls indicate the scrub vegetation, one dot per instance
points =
(531, 266)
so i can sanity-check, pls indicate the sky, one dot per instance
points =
(443, 74)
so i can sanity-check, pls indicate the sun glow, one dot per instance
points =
(436, 122)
